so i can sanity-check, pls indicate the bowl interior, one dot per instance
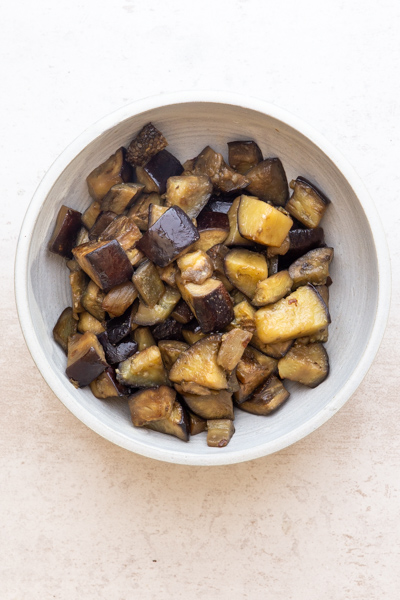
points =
(353, 296)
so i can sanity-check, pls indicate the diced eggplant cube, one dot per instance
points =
(302, 241)
(148, 283)
(121, 197)
(113, 171)
(151, 404)
(155, 212)
(78, 283)
(86, 359)
(190, 192)
(214, 405)
(244, 155)
(106, 386)
(272, 289)
(168, 330)
(91, 213)
(182, 313)
(88, 322)
(144, 369)
(118, 353)
(261, 222)
(66, 325)
(152, 316)
(148, 142)
(155, 173)
(198, 364)
(224, 178)
(234, 238)
(170, 350)
(196, 424)
(307, 203)
(119, 298)
(105, 262)
(102, 221)
(233, 345)
(168, 237)
(313, 267)
(195, 267)
(119, 327)
(140, 211)
(245, 269)
(124, 230)
(144, 338)
(267, 398)
(268, 182)
(177, 423)
(252, 370)
(308, 365)
(219, 432)
(68, 224)
(92, 300)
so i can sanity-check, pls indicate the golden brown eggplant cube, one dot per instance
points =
(86, 359)
(66, 229)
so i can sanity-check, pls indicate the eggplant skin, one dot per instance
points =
(267, 398)
(158, 170)
(148, 142)
(176, 424)
(66, 325)
(68, 224)
(268, 182)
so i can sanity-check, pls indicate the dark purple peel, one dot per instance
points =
(182, 313)
(303, 180)
(106, 386)
(119, 327)
(268, 182)
(170, 234)
(218, 206)
(105, 262)
(301, 242)
(102, 221)
(156, 172)
(168, 330)
(208, 219)
(214, 310)
(85, 360)
(118, 353)
(67, 226)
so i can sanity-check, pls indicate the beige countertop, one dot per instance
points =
(82, 518)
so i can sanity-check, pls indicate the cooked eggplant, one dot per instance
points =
(219, 432)
(245, 269)
(113, 171)
(191, 337)
(155, 173)
(161, 311)
(168, 274)
(102, 221)
(217, 254)
(307, 204)
(144, 369)
(198, 364)
(190, 192)
(151, 405)
(168, 237)
(195, 267)
(148, 283)
(313, 267)
(243, 156)
(237, 296)
(124, 230)
(209, 238)
(140, 211)
(105, 262)
(188, 387)
(155, 212)
(233, 345)
(279, 250)
(267, 398)
(86, 359)
(88, 322)
(135, 257)
(106, 386)
(222, 177)
(78, 282)
(82, 237)
(272, 289)
(302, 241)
(144, 338)
(308, 365)
(119, 298)
(273, 265)
(120, 327)
(244, 316)
(261, 222)
(196, 424)
(148, 142)
(177, 423)
(170, 350)
(66, 325)
(118, 353)
(268, 182)
(214, 405)
(252, 370)
(277, 350)
(121, 197)
(233, 383)
(182, 313)
(91, 213)
(215, 204)
(68, 224)
(209, 219)
(168, 330)
(209, 302)
(92, 301)
(234, 238)
(301, 313)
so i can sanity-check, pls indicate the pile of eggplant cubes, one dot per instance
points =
(196, 288)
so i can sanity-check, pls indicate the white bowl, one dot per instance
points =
(359, 296)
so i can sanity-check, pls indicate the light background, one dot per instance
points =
(81, 518)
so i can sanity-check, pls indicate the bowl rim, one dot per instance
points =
(245, 102)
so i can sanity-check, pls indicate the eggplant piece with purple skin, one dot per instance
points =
(214, 405)
(144, 338)
(119, 298)
(101, 223)
(106, 386)
(196, 424)
(308, 365)
(140, 211)
(121, 197)
(253, 369)
(195, 267)
(113, 171)
(119, 327)
(168, 330)
(155, 173)
(301, 242)
(86, 359)
(170, 350)
(172, 233)
(118, 353)
(177, 423)
(152, 316)
(244, 155)
(105, 262)
(148, 283)
(91, 213)
(267, 398)
(313, 267)
(268, 182)
(151, 405)
(190, 192)
(143, 369)
(307, 203)
(213, 228)
(148, 142)
(224, 178)
(68, 224)
(182, 313)
(218, 204)
(124, 230)
(198, 364)
(66, 326)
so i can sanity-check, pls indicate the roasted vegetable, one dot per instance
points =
(66, 325)
(245, 269)
(182, 313)
(234, 238)
(148, 142)
(144, 338)
(124, 230)
(148, 283)
(267, 398)
(78, 283)
(277, 350)
(273, 265)
(192, 336)
(120, 327)
(261, 222)
(155, 173)
(252, 370)
(308, 365)
(267, 181)
(105, 262)
(219, 432)
(195, 267)
(86, 359)
(170, 350)
(121, 197)
(82, 237)
(243, 156)
(161, 311)
(91, 213)
(177, 423)
(102, 221)
(119, 298)
(302, 241)
(313, 267)
(198, 364)
(212, 231)
(140, 210)
(88, 322)
(106, 386)
(224, 178)
(92, 301)
(279, 250)
(189, 192)
(113, 171)
(68, 224)
(188, 387)
(219, 204)
(144, 369)
(168, 274)
(196, 424)
(302, 313)
(214, 405)
(118, 353)
(151, 405)
(272, 289)
(168, 330)
(307, 204)
(155, 212)
(233, 345)
(244, 316)
(168, 237)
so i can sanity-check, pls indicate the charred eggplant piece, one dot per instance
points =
(307, 204)
(102, 221)
(195, 267)
(253, 369)
(190, 192)
(277, 350)
(140, 211)
(113, 171)
(313, 267)
(90, 215)
(301, 313)
(244, 316)
(119, 327)
(168, 330)
(106, 386)
(86, 359)
(144, 338)
(148, 142)
(308, 365)
(124, 230)
(170, 350)
(233, 345)
(155, 173)
(219, 432)
(245, 269)
(214, 405)
(196, 424)
(272, 289)
(243, 156)
(148, 283)
(268, 182)
(261, 222)
(78, 283)
(66, 325)
(105, 262)
(144, 369)
(88, 322)
(182, 313)
(209, 302)
(68, 224)
(151, 405)
(234, 238)
(267, 398)
(119, 298)
(177, 423)
(222, 177)
(92, 301)
(198, 364)
(121, 197)
(152, 316)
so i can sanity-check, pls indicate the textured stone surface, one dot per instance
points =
(81, 518)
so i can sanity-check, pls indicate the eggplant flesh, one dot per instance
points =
(92, 301)
(243, 156)
(140, 211)
(152, 316)
(148, 283)
(261, 222)
(102, 221)
(121, 197)
(106, 386)
(68, 224)
(86, 359)
(148, 142)
(277, 350)
(308, 365)
(190, 192)
(224, 178)
(66, 325)
(196, 424)
(182, 313)
(198, 364)
(156, 172)
(88, 322)
(143, 338)
(268, 182)
(219, 432)
(124, 230)
(232, 347)
(78, 283)
(215, 405)
(151, 404)
(90, 214)
(210, 303)
(313, 267)
(113, 171)
(244, 316)
(195, 267)
(170, 350)
(144, 369)
(307, 203)
(273, 288)
(119, 298)
(267, 398)
(176, 424)
(105, 262)
(116, 353)
(245, 269)
(253, 369)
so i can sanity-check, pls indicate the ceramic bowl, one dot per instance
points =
(359, 296)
